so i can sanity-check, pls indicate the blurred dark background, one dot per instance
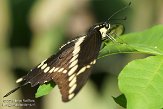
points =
(32, 30)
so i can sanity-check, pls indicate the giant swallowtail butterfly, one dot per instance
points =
(71, 67)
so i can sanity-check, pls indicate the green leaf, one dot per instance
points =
(44, 89)
(149, 41)
(121, 100)
(141, 82)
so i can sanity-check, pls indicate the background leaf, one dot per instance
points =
(121, 100)
(44, 89)
(141, 82)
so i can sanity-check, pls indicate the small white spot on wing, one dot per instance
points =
(45, 81)
(71, 77)
(71, 96)
(88, 66)
(81, 70)
(72, 70)
(52, 70)
(72, 82)
(72, 88)
(19, 80)
(65, 71)
(74, 57)
(93, 62)
(61, 69)
(46, 69)
(73, 63)
(43, 66)
(55, 69)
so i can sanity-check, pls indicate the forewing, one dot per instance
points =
(51, 67)
(87, 52)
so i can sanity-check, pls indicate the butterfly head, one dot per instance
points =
(108, 30)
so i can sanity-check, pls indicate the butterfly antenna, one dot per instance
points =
(12, 91)
(119, 11)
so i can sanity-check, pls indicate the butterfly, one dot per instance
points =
(71, 66)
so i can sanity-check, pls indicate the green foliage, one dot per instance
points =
(121, 100)
(44, 89)
(149, 41)
(141, 80)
